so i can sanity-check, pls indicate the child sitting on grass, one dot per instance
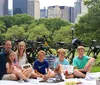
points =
(12, 67)
(60, 62)
(41, 66)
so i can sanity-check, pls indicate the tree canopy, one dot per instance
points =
(88, 27)
(22, 26)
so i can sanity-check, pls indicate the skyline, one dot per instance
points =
(44, 3)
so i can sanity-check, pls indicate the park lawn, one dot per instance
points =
(95, 69)
(96, 66)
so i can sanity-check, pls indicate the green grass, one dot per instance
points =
(95, 69)
(96, 66)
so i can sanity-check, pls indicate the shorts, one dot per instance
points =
(84, 72)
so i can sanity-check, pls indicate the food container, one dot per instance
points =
(70, 83)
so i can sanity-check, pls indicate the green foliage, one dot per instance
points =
(2, 27)
(88, 26)
(53, 24)
(22, 19)
(38, 31)
(18, 19)
(62, 35)
(25, 26)
(15, 31)
(91, 3)
(7, 20)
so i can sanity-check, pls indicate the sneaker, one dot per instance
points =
(58, 77)
(21, 80)
(27, 80)
(42, 80)
(62, 76)
(60, 80)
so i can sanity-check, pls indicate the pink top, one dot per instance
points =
(14, 68)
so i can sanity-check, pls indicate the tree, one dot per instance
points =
(19, 19)
(38, 31)
(15, 31)
(89, 25)
(2, 27)
(53, 24)
(22, 25)
(7, 20)
(90, 3)
(62, 35)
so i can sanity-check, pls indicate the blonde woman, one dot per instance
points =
(22, 58)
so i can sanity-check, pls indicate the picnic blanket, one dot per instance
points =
(89, 80)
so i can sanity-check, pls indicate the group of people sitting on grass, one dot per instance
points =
(11, 62)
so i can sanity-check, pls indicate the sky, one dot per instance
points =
(46, 3)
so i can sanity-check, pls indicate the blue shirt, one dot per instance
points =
(64, 62)
(3, 58)
(41, 66)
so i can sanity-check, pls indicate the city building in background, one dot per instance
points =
(77, 8)
(3, 7)
(54, 12)
(34, 8)
(71, 14)
(43, 13)
(19, 6)
(84, 10)
(63, 12)
(10, 12)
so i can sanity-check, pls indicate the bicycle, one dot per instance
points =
(34, 46)
(71, 48)
(94, 49)
(71, 53)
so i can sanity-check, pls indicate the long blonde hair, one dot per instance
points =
(18, 51)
